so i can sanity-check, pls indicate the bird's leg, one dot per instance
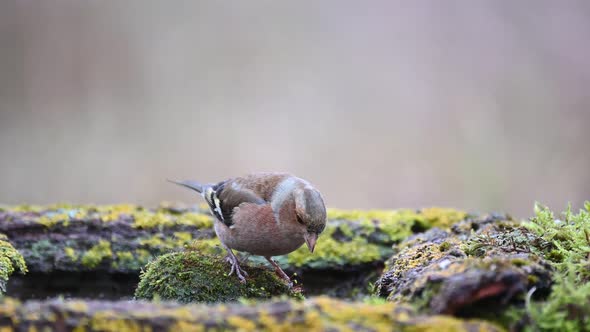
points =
(235, 266)
(245, 257)
(278, 270)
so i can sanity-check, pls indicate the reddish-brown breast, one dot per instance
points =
(255, 230)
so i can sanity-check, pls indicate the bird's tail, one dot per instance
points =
(194, 185)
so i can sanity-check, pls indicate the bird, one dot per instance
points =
(264, 214)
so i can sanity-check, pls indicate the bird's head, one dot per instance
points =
(311, 213)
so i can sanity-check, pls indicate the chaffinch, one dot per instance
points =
(265, 214)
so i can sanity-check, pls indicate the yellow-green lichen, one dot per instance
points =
(165, 243)
(155, 241)
(441, 217)
(93, 257)
(52, 219)
(71, 254)
(377, 317)
(151, 220)
(411, 258)
(450, 324)
(143, 255)
(185, 326)
(241, 324)
(147, 219)
(328, 251)
(399, 224)
(269, 323)
(198, 220)
(77, 306)
(114, 212)
(109, 321)
(184, 237)
(205, 246)
(124, 256)
(317, 314)
(125, 261)
(51, 215)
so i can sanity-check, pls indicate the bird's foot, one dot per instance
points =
(280, 271)
(235, 267)
(285, 277)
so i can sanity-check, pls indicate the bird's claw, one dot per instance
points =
(285, 277)
(235, 267)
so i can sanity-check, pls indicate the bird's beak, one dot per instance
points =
(310, 239)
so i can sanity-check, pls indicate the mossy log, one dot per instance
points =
(478, 267)
(317, 314)
(123, 238)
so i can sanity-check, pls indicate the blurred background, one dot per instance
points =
(476, 105)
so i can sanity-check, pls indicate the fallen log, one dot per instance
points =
(317, 314)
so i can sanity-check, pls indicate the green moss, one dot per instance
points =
(192, 276)
(556, 256)
(93, 257)
(10, 260)
(566, 308)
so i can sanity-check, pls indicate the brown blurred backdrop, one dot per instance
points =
(481, 105)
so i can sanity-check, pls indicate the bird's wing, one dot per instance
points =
(228, 195)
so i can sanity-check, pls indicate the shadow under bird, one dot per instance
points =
(265, 214)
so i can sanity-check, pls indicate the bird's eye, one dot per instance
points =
(299, 220)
